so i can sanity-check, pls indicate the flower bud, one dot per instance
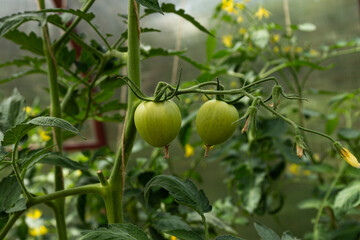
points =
(346, 155)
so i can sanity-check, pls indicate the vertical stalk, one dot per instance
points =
(205, 227)
(55, 111)
(114, 196)
(326, 197)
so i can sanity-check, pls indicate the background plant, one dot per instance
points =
(265, 151)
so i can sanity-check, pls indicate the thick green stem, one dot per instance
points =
(325, 199)
(55, 111)
(5, 230)
(114, 197)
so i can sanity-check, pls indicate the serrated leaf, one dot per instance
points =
(147, 52)
(227, 237)
(184, 193)
(184, 234)
(55, 122)
(265, 233)
(170, 8)
(58, 159)
(20, 205)
(165, 222)
(288, 236)
(9, 193)
(142, 30)
(30, 42)
(116, 232)
(16, 133)
(20, 74)
(347, 199)
(151, 4)
(12, 111)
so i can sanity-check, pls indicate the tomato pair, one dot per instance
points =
(158, 123)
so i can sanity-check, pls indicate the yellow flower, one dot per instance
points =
(189, 150)
(240, 6)
(187, 100)
(43, 135)
(227, 40)
(262, 12)
(34, 213)
(294, 169)
(78, 173)
(228, 6)
(298, 49)
(173, 238)
(38, 231)
(240, 19)
(276, 49)
(287, 49)
(349, 157)
(275, 38)
(233, 84)
(314, 53)
(242, 31)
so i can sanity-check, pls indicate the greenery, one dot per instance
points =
(261, 68)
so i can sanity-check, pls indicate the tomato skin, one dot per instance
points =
(158, 123)
(214, 122)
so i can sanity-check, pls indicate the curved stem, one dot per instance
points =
(85, 7)
(205, 227)
(93, 188)
(324, 202)
(17, 172)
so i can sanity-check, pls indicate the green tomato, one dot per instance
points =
(158, 123)
(214, 122)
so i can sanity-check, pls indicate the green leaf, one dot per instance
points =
(184, 193)
(4, 217)
(265, 233)
(260, 38)
(147, 52)
(227, 237)
(20, 205)
(347, 230)
(310, 203)
(142, 30)
(307, 27)
(33, 157)
(116, 232)
(288, 236)
(59, 160)
(170, 8)
(16, 133)
(12, 111)
(300, 63)
(165, 222)
(210, 45)
(349, 134)
(20, 74)
(332, 121)
(347, 199)
(184, 234)
(55, 122)
(151, 4)
(30, 42)
(9, 193)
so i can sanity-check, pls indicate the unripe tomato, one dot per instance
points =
(214, 122)
(158, 123)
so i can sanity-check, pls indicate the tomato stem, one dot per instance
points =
(167, 152)
(207, 149)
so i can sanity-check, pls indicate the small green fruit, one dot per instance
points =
(158, 123)
(214, 122)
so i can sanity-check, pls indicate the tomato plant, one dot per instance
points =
(118, 200)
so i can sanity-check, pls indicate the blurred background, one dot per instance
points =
(334, 20)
